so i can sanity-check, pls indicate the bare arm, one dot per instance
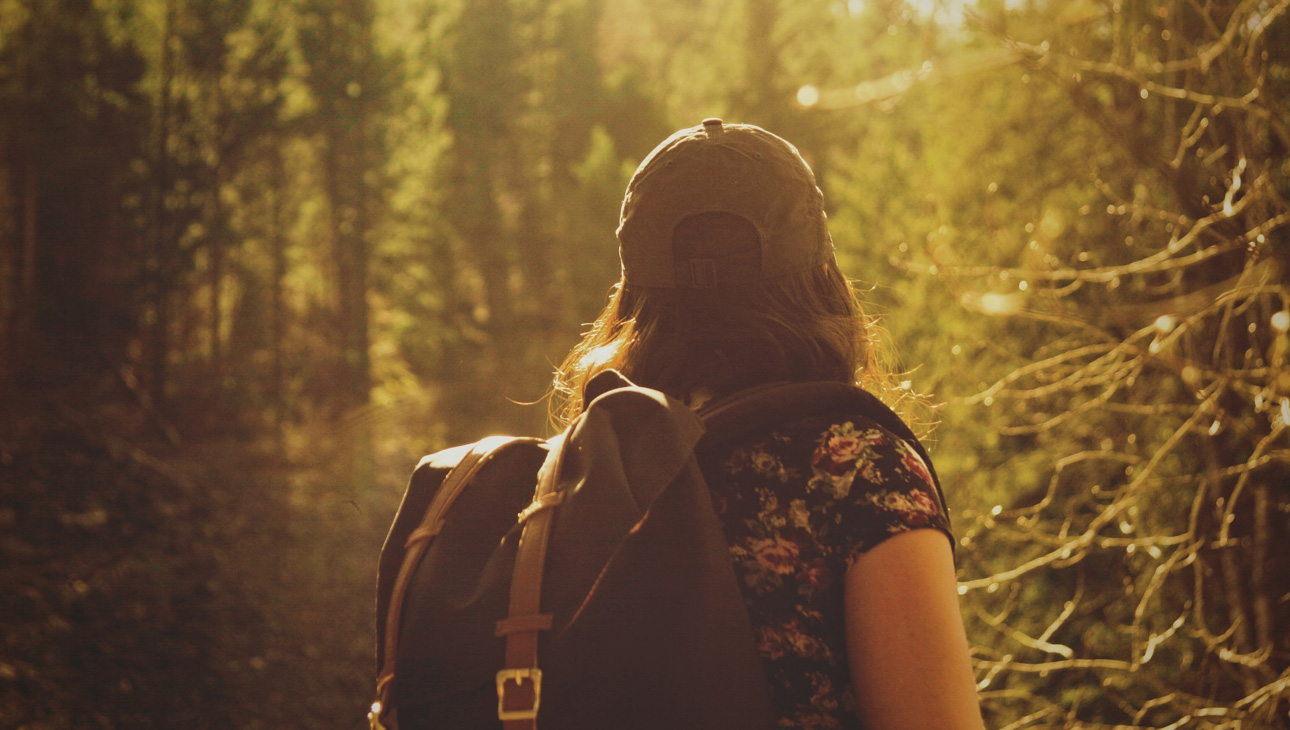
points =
(906, 646)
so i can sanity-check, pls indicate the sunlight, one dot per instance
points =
(951, 13)
(808, 96)
(259, 258)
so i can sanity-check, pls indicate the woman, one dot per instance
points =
(843, 556)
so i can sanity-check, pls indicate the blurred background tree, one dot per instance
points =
(256, 257)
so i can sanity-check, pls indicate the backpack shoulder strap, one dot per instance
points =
(407, 548)
(737, 415)
(519, 682)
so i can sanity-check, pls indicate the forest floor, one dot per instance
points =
(205, 585)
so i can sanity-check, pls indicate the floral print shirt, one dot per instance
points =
(797, 507)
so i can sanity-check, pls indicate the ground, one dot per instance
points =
(199, 585)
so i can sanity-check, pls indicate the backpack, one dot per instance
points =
(602, 597)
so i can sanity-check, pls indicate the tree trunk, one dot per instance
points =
(27, 299)
(349, 254)
(158, 264)
(277, 314)
(217, 254)
(1260, 593)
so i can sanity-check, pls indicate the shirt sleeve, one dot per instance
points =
(874, 484)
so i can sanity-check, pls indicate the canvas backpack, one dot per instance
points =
(584, 579)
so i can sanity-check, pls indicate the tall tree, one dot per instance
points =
(346, 83)
(73, 126)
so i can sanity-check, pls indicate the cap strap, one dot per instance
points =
(713, 273)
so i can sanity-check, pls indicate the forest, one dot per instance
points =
(259, 256)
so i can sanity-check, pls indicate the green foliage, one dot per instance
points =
(1120, 274)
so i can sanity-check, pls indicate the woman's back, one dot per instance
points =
(730, 281)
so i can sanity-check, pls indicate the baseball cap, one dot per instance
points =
(737, 169)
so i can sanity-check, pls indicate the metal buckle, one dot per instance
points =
(518, 676)
(374, 717)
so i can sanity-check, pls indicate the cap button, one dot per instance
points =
(712, 125)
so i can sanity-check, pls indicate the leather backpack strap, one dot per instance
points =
(415, 547)
(519, 683)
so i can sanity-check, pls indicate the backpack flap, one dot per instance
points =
(650, 627)
(625, 449)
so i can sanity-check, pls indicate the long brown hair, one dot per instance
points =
(799, 327)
